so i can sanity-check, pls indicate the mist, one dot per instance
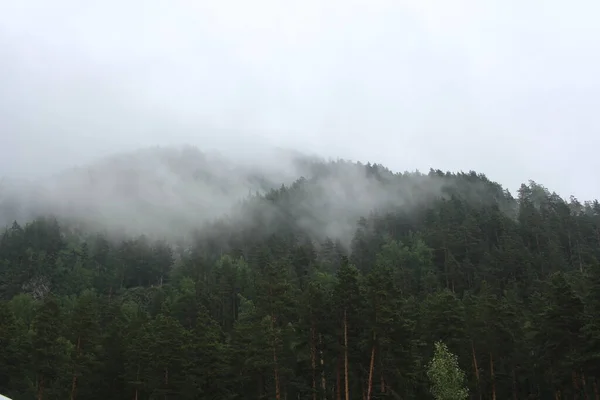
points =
(161, 191)
(504, 88)
(169, 193)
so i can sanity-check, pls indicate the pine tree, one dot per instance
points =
(49, 352)
(85, 334)
(11, 353)
(349, 304)
(252, 351)
(207, 361)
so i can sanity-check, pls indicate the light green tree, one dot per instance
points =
(447, 379)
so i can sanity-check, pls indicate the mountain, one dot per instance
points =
(171, 273)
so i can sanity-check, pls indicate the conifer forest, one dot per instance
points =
(451, 288)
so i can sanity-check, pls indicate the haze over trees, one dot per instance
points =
(349, 281)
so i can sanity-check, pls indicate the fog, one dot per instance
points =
(506, 88)
(175, 193)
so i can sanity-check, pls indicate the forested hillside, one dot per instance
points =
(335, 286)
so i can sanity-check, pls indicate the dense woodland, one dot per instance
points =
(264, 309)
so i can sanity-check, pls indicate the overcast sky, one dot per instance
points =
(509, 88)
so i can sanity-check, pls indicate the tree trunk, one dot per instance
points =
(233, 306)
(446, 271)
(323, 380)
(166, 381)
(275, 364)
(73, 387)
(137, 379)
(596, 393)
(40, 391)
(313, 362)
(276, 373)
(346, 386)
(476, 368)
(493, 378)
(74, 380)
(338, 392)
(381, 371)
(584, 386)
(575, 385)
(514, 384)
(371, 368)
(579, 257)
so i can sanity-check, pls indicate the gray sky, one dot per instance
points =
(509, 88)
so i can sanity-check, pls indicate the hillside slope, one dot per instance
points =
(338, 284)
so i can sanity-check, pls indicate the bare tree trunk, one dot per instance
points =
(73, 387)
(575, 385)
(446, 270)
(40, 390)
(346, 386)
(579, 257)
(371, 369)
(596, 393)
(313, 361)
(338, 392)
(233, 308)
(584, 386)
(137, 378)
(166, 380)
(276, 372)
(492, 376)
(323, 381)
(476, 368)
(381, 371)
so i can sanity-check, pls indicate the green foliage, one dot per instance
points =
(447, 379)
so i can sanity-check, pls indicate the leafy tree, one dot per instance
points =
(447, 379)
